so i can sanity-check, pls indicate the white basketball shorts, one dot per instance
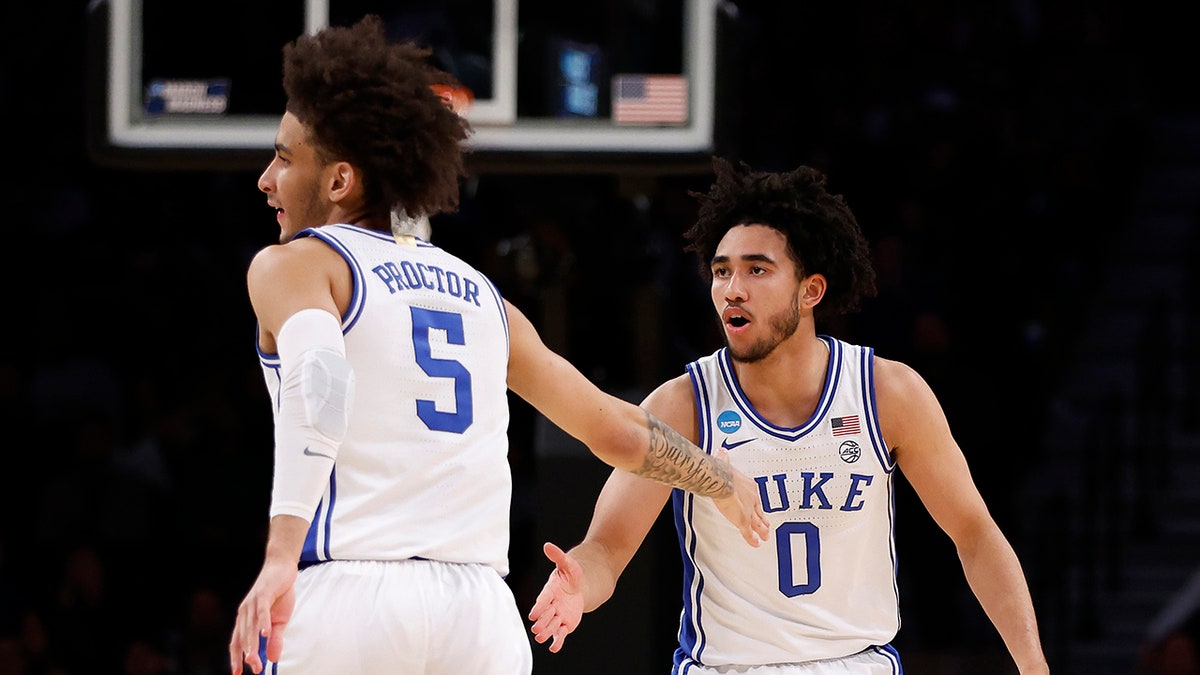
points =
(407, 616)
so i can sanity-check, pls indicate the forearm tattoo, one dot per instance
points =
(675, 461)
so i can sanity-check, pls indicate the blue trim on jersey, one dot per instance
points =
(882, 453)
(886, 461)
(891, 654)
(891, 490)
(268, 360)
(316, 540)
(308, 554)
(703, 413)
(678, 506)
(503, 310)
(791, 434)
(358, 288)
(329, 509)
(691, 632)
(272, 361)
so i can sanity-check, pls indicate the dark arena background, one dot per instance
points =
(1027, 172)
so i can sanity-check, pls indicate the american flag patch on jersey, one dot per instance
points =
(844, 426)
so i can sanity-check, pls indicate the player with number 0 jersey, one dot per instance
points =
(821, 425)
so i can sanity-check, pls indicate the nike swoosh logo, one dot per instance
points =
(310, 453)
(729, 446)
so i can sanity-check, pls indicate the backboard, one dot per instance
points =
(198, 84)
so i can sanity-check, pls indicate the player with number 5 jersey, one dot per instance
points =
(388, 361)
(426, 337)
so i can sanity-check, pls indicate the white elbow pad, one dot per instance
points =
(315, 395)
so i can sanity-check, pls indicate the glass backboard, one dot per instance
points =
(200, 82)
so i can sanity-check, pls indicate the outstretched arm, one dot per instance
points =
(586, 576)
(916, 427)
(623, 435)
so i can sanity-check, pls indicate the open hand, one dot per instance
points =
(559, 607)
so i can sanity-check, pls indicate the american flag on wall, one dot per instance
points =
(844, 426)
(650, 99)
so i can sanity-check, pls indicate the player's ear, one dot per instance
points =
(343, 179)
(812, 289)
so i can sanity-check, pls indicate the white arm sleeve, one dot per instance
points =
(315, 395)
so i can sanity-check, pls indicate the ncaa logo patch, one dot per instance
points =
(729, 422)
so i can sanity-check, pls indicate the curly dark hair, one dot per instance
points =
(370, 102)
(822, 234)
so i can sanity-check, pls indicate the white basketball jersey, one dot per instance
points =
(423, 471)
(824, 585)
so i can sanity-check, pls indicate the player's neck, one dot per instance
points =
(785, 385)
(365, 218)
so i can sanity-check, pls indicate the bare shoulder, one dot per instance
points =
(670, 392)
(304, 273)
(906, 405)
(272, 260)
(896, 378)
(518, 323)
(528, 355)
(674, 403)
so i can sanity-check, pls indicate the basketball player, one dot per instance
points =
(387, 360)
(821, 425)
